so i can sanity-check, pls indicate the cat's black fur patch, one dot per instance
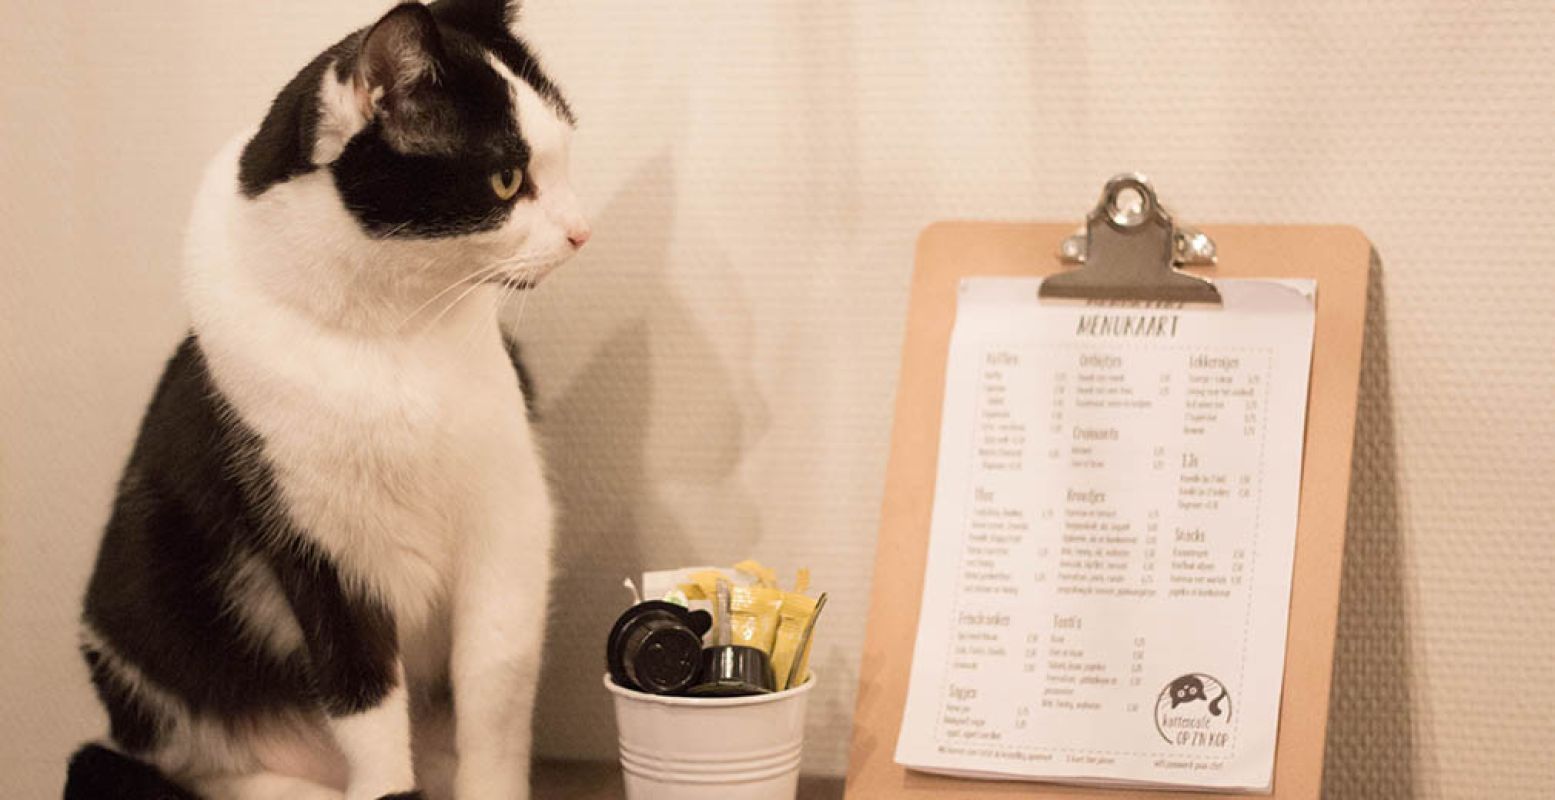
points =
(197, 497)
(351, 641)
(131, 723)
(192, 499)
(464, 116)
(97, 773)
(461, 126)
(282, 149)
(489, 23)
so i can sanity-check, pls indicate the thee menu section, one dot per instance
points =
(1111, 543)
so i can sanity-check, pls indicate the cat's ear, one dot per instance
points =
(480, 14)
(399, 54)
(397, 65)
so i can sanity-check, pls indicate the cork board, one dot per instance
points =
(1338, 257)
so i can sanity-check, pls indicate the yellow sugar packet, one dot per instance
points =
(763, 576)
(754, 616)
(704, 584)
(793, 617)
(753, 610)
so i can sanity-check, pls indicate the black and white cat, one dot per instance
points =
(325, 573)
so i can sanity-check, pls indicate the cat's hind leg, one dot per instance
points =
(285, 757)
(356, 673)
(261, 786)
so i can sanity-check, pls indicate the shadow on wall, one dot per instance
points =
(1370, 748)
(654, 375)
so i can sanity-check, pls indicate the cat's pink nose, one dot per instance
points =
(579, 236)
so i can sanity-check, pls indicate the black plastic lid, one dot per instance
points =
(655, 647)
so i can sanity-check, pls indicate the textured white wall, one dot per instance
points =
(717, 369)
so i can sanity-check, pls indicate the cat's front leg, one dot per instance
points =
(499, 625)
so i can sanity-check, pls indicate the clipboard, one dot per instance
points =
(1338, 257)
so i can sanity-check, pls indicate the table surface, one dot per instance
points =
(590, 780)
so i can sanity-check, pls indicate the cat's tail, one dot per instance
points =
(97, 773)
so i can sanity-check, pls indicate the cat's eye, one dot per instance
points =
(506, 183)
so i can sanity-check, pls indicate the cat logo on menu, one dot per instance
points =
(1194, 711)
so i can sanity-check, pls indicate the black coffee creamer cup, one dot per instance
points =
(656, 647)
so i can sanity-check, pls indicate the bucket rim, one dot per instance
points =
(709, 702)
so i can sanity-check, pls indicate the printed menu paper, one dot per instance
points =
(1110, 550)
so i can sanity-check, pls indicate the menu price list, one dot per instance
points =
(1101, 505)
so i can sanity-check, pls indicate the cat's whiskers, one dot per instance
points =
(520, 261)
(477, 277)
(513, 289)
(519, 317)
(471, 331)
(509, 288)
(476, 282)
(499, 300)
(426, 265)
(505, 298)
(389, 234)
(493, 318)
(518, 269)
(486, 272)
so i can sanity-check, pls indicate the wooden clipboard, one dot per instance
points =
(1338, 257)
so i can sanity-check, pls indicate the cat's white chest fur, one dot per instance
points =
(388, 452)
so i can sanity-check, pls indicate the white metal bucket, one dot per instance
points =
(702, 748)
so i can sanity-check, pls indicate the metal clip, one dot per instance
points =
(1191, 247)
(1131, 248)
